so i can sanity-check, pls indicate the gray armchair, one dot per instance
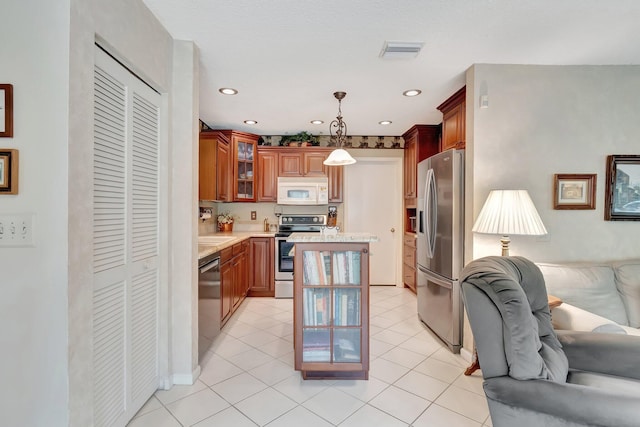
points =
(533, 376)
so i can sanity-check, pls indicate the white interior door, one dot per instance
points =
(372, 204)
(125, 243)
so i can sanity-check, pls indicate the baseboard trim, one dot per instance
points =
(186, 379)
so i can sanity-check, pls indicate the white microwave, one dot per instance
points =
(303, 191)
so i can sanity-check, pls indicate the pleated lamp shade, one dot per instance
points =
(509, 212)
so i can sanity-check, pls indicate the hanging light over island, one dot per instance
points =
(339, 156)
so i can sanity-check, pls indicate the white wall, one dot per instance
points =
(544, 120)
(45, 294)
(33, 281)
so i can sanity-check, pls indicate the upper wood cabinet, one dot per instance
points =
(208, 145)
(296, 161)
(242, 170)
(313, 163)
(335, 183)
(223, 172)
(267, 176)
(453, 120)
(290, 163)
(302, 162)
(420, 142)
(214, 166)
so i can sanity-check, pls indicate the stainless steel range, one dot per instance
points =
(288, 224)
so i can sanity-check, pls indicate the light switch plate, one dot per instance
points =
(16, 230)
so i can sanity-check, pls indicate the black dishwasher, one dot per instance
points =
(208, 301)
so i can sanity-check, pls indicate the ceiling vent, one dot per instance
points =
(400, 50)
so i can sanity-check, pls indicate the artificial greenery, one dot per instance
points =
(300, 137)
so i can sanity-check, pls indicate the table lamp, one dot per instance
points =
(509, 212)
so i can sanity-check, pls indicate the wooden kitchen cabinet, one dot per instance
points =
(420, 142)
(242, 170)
(207, 189)
(226, 284)
(223, 162)
(410, 170)
(290, 163)
(296, 162)
(335, 183)
(262, 267)
(267, 175)
(240, 273)
(214, 166)
(453, 120)
(409, 261)
(234, 279)
(313, 163)
(302, 162)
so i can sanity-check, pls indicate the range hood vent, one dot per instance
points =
(400, 50)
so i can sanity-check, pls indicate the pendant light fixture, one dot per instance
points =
(339, 156)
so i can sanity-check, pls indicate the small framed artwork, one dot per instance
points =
(622, 198)
(8, 171)
(6, 110)
(574, 191)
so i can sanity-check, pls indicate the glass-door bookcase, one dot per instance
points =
(331, 310)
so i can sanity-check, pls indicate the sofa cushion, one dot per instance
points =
(628, 282)
(591, 287)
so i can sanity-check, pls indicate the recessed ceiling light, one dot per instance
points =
(251, 122)
(384, 122)
(412, 92)
(228, 91)
(317, 122)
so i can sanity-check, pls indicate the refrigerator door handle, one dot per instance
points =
(445, 283)
(430, 207)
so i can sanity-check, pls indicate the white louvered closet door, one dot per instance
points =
(125, 242)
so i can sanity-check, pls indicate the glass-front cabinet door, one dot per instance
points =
(331, 298)
(244, 171)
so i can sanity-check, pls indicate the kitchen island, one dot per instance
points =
(331, 304)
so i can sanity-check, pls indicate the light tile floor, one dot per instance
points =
(248, 378)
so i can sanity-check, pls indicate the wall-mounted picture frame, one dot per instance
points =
(574, 191)
(6, 110)
(622, 198)
(8, 171)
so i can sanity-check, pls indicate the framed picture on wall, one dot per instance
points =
(6, 110)
(574, 191)
(622, 198)
(8, 171)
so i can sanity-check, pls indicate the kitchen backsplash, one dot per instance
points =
(242, 213)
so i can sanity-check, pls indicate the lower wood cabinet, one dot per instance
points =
(409, 261)
(234, 278)
(262, 271)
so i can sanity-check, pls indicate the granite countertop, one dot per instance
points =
(332, 238)
(215, 242)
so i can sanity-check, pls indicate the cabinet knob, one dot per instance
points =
(393, 230)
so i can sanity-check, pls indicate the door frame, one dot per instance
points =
(397, 163)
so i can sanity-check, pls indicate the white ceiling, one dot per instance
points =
(287, 57)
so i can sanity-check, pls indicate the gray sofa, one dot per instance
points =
(535, 376)
(599, 296)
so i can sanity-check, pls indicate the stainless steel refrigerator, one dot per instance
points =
(440, 244)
